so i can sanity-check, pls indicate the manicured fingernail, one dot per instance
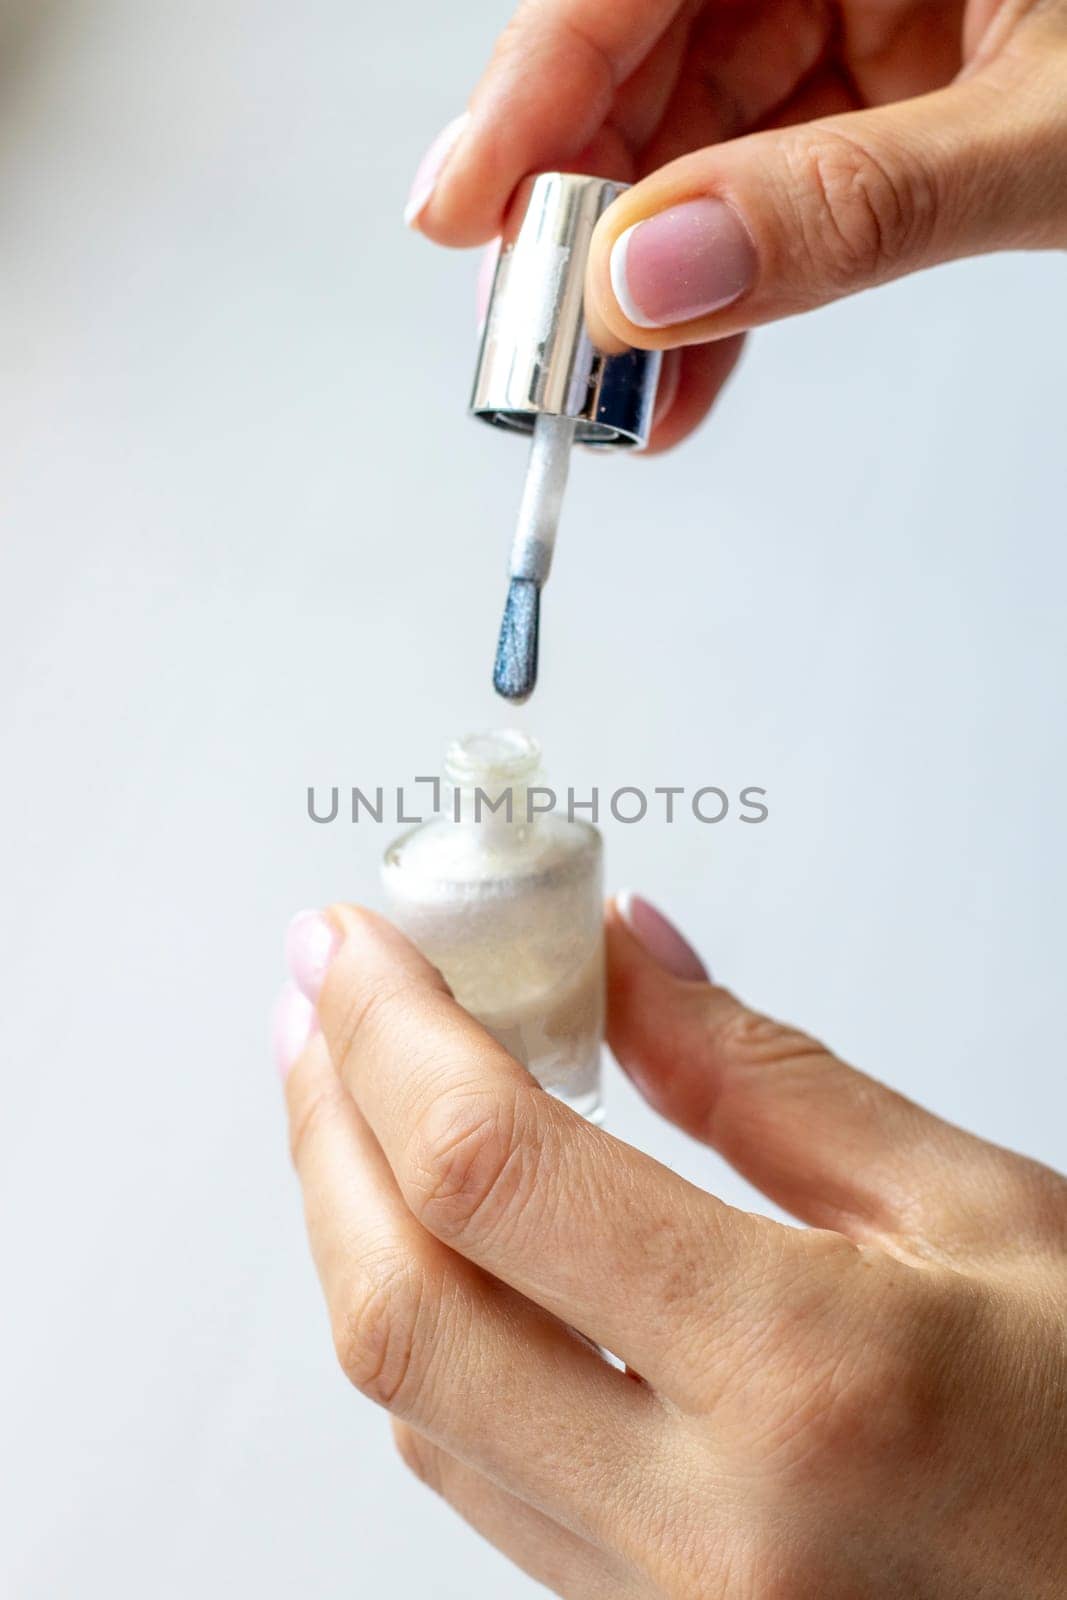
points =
(293, 1024)
(431, 166)
(688, 261)
(659, 937)
(311, 942)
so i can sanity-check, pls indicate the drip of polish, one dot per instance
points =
(515, 669)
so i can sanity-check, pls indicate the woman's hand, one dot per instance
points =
(790, 152)
(875, 1407)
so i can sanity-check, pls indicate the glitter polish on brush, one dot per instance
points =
(515, 667)
(539, 373)
(515, 672)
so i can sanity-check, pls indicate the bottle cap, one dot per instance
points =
(536, 356)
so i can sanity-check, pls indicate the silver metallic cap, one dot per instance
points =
(536, 356)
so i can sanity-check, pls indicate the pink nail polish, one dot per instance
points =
(293, 1024)
(311, 942)
(660, 938)
(686, 262)
(431, 166)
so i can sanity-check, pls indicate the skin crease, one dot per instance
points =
(870, 1408)
(857, 141)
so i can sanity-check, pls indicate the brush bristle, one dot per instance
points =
(515, 669)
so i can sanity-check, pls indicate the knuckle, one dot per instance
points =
(881, 1397)
(469, 1168)
(750, 1040)
(750, 1049)
(864, 1406)
(379, 1340)
(861, 209)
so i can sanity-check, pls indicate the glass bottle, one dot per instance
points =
(505, 898)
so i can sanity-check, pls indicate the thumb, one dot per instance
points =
(832, 1146)
(781, 221)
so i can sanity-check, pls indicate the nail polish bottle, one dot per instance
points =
(504, 896)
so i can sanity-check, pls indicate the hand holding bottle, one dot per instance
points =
(788, 152)
(875, 1406)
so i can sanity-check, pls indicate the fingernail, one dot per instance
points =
(660, 938)
(311, 942)
(293, 1024)
(431, 166)
(684, 263)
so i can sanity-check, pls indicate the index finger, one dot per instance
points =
(542, 100)
(599, 1234)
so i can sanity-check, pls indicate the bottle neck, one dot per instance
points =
(487, 778)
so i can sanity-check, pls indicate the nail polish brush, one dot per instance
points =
(515, 669)
(539, 373)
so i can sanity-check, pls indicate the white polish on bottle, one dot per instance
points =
(507, 903)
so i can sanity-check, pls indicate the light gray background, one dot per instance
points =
(251, 541)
